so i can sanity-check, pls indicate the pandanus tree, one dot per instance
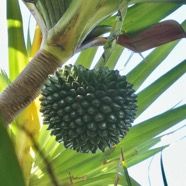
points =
(86, 110)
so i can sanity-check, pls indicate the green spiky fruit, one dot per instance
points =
(88, 109)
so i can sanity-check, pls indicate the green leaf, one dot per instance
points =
(86, 57)
(144, 156)
(4, 80)
(157, 1)
(152, 127)
(145, 146)
(106, 179)
(113, 59)
(141, 72)
(142, 16)
(17, 51)
(10, 172)
(147, 96)
(163, 171)
(156, 35)
(133, 145)
(29, 45)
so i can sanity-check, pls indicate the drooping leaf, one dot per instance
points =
(163, 171)
(154, 36)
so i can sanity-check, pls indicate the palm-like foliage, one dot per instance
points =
(51, 163)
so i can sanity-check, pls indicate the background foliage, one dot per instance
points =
(45, 162)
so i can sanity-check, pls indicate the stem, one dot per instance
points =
(27, 85)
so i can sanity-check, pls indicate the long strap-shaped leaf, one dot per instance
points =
(150, 128)
(139, 134)
(141, 72)
(52, 11)
(16, 46)
(86, 57)
(156, 1)
(152, 92)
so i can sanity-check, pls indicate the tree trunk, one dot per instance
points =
(26, 87)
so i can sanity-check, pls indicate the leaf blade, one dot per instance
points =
(147, 96)
(16, 46)
(10, 172)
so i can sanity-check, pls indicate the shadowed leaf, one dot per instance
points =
(163, 171)
(10, 172)
(154, 36)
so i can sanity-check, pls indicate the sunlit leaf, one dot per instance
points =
(157, 1)
(28, 47)
(144, 156)
(147, 96)
(4, 80)
(137, 20)
(150, 128)
(141, 72)
(17, 50)
(36, 42)
(51, 161)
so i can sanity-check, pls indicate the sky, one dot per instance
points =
(175, 154)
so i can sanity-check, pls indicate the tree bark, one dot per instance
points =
(26, 87)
